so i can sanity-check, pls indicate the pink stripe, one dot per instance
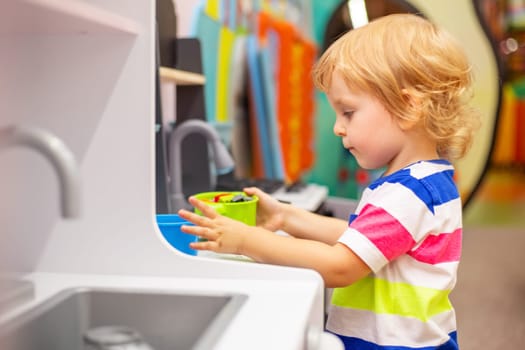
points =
(384, 231)
(435, 249)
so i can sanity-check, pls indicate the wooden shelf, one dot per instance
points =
(181, 77)
(61, 16)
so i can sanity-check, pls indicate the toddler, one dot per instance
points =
(399, 88)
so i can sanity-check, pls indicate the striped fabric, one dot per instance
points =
(407, 229)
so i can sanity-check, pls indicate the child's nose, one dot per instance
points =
(338, 130)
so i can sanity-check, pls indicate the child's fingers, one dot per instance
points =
(192, 230)
(206, 210)
(192, 217)
(200, 231)
(207, 245)
(253, 191)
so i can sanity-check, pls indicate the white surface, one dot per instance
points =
(94, 89)
(275, 315)
(310, 197)
(184, 10)
(59, 16)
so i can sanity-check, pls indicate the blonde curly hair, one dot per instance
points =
(418, 71)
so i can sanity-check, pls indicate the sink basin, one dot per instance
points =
(165, 320)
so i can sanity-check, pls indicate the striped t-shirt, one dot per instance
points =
(407, 229)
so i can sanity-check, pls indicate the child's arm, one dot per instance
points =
(300, 223)
(337, 264)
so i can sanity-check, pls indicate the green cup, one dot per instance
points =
(235, 205)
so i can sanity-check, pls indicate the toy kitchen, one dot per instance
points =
(84, 264)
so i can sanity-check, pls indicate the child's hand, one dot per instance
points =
(269, 210)
(222, 234)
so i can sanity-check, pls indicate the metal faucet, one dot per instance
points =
(57, 153)
(222, 158)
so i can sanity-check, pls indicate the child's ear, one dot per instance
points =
(413, 116)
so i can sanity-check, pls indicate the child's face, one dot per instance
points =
(366, 128)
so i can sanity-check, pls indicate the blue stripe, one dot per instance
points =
(253, 58)
(442, 186)
(435, 189)
(352, 343)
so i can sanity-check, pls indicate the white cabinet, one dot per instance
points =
(83, 70)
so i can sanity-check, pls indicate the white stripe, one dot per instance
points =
(424, 169)
(364, 199)
(449, 215)
(364, 248)
(408, 270)
(383, 329)
(406, 207)
(413, 214)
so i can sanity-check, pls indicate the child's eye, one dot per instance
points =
(348, 113)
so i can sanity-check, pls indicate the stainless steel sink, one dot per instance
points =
(165, 321)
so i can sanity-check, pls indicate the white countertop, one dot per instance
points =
(274, 316)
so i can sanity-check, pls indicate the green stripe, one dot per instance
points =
(397, 298)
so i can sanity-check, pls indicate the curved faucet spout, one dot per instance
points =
(54, 150)
(222, 158)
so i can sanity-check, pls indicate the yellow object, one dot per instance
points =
(244, 211)
(506, 133)
(226, 43)
(212, 9)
